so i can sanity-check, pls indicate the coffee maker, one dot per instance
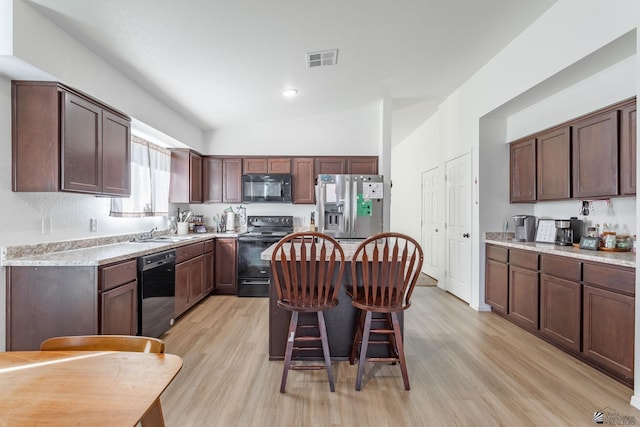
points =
(568, 231)
(525, 226)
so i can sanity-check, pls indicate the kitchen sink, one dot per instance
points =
(166, 239)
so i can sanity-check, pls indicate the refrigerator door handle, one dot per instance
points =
(346, 216)
(354, 208)
(321, 198)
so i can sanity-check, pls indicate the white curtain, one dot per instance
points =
(150, 173)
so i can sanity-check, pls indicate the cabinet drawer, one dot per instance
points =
(208, 246)
(565, 268)
(615, 278)
(117, 274)
(497, 253)
(524, 259)
(190, 251)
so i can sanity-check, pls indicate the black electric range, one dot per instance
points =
(253, 272)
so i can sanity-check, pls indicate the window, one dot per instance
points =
(150, 174)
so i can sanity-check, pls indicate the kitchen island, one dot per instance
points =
(340, 321)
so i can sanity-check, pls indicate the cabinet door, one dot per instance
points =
(81, 145)
(496, 286)
(522, 186)
(560, 311)
(195, 178)
(628, 141)
(282, 165)
(362, 165)
(330, 165)
(303, 181)
(608, 320)
(595, 155)
(35, 151)
(208, 273)
(182, 287)
(231, 180)
(554, 164)
(251, 165)
(212, 180)
(196, 279)
(523, 297)
(116, 155)
(119, 310)
(226, 266)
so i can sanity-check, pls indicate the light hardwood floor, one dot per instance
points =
(466, 369)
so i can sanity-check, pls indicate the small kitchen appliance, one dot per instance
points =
(230, 222)
(568, 231)
(525, 226)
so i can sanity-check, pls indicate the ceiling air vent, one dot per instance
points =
(322, 59)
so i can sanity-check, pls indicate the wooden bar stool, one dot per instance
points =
(390, 265)
(307, 269)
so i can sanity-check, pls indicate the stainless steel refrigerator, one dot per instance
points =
(350, 206)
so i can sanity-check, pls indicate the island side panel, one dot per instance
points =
(340, 322)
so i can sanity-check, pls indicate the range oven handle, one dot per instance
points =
(254, 282)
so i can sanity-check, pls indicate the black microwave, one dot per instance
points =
(263, 188)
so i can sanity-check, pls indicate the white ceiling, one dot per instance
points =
(225, 62)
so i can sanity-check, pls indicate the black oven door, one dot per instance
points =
(253, 272)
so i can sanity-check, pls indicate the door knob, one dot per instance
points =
(436, 230)
(465, 235)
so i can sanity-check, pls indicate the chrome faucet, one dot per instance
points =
(147, 234)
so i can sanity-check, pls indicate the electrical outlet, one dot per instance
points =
(93, 224)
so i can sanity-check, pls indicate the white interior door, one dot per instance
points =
(432, 223)
(458, 227)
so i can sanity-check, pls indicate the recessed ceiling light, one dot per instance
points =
(290, 93)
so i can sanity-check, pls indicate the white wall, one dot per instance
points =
(43, 44)
(558, 42)
(347, 132)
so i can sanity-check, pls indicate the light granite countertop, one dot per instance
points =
(623, 259)
(99, 254)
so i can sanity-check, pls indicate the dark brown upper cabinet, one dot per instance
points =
(628, 141)
(186, 176)
(362, 165)
(554, 164)
(330, 165)
(89, 142)
(212, 180)
(595, 155)
(266, 165)
(231, 180)
(303, 181)
(522, 187)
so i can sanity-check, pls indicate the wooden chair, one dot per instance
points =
(154, 416)
(307, 270)
(387, 269)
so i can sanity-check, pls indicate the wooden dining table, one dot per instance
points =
(89, 388)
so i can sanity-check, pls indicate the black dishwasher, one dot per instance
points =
(156, 293)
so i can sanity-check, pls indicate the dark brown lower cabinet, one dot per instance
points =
(609, 330)
(560, 309)
(194, 272)
(497, 285)
(226, 266)
(119, 310)
(583, 307)
(523, 297)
